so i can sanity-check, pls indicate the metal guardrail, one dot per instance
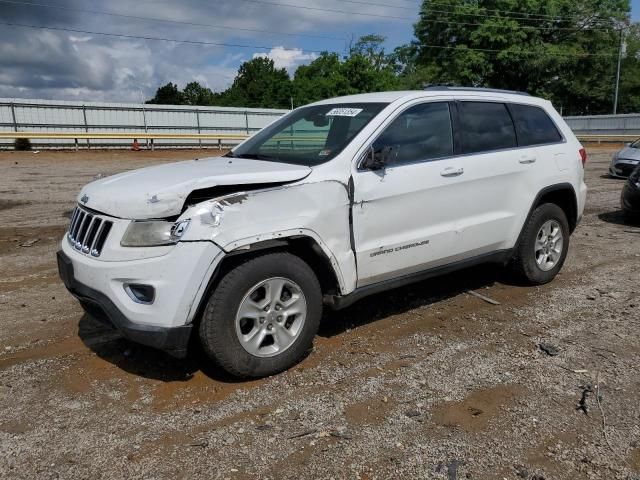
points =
(124, 136)
(607, 138)
(220, 137)
(181, 121)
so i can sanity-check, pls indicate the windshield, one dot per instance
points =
(635, 144)
(310, 135)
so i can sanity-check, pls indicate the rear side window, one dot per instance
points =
(485, 126)
(533, 125)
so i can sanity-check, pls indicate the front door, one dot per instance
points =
(404, 214)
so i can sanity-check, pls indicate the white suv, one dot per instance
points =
(334, 201)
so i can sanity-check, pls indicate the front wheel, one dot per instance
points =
(543, 245)
(262, 316)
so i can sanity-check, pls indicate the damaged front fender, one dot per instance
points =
(317, 210)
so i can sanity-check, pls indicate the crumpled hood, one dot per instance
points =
(160, 191)
(629, 153)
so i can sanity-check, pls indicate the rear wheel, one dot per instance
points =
(543, 245)
(263, 315)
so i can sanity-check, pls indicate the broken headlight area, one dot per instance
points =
(216, 214)
(153, 233)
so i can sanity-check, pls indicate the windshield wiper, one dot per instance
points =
(255, 156)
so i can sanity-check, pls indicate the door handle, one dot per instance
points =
(527, 160)
(452, 172)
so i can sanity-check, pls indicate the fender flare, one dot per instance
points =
(260, 242)
(283, 235)
(546, 190)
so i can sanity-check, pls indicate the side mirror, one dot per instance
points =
(377, 160)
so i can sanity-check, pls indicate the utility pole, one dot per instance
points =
(615, 100)
(144, 116)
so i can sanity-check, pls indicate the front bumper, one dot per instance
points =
(622, 167)
(179, 278)
(173, 340)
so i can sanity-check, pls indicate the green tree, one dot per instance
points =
(196, 94)
(364, 77)
(259, 85)
(322, 78)
(168, 94)
(561, 49)
(371, 47)
(367, 68)
(629, 98)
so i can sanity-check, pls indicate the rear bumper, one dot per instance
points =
(173, 340)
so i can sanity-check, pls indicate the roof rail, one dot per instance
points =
(472, 89)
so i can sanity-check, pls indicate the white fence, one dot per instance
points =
(18, 115)
(605, 124)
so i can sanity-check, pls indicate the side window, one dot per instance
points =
(485, 126)
(533, 125)
(423, 132)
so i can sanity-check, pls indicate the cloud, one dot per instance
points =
(287, 58)
(39, 63)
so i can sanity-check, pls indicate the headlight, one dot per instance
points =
(153, 233)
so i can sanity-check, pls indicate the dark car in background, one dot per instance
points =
(625, 160)
(630, 199)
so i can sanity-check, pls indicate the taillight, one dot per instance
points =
(583, 156)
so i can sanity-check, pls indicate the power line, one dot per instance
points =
(330, 10)
(262, 47)
(520, 15)
(519, 25)
(541, 15)
(196, 24)
(527, 52)
(156, 19)
(163, 39)
(513, 13)
(388, 5)
(393, 5)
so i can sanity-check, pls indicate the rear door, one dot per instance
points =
(494, 177)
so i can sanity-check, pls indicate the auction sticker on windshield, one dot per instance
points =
(343, 112)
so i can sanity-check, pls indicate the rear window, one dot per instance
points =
(485, 126)
(533, 126)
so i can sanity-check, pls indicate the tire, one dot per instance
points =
(222, 327)
(630, 218)
(525, 265)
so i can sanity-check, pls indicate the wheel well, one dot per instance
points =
(304, 247)
(565, 198)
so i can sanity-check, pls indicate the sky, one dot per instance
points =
(84, 65)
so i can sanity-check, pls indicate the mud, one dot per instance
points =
(425, 381)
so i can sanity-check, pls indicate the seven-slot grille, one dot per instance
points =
(88, 232)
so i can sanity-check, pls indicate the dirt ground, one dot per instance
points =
(425, 381)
